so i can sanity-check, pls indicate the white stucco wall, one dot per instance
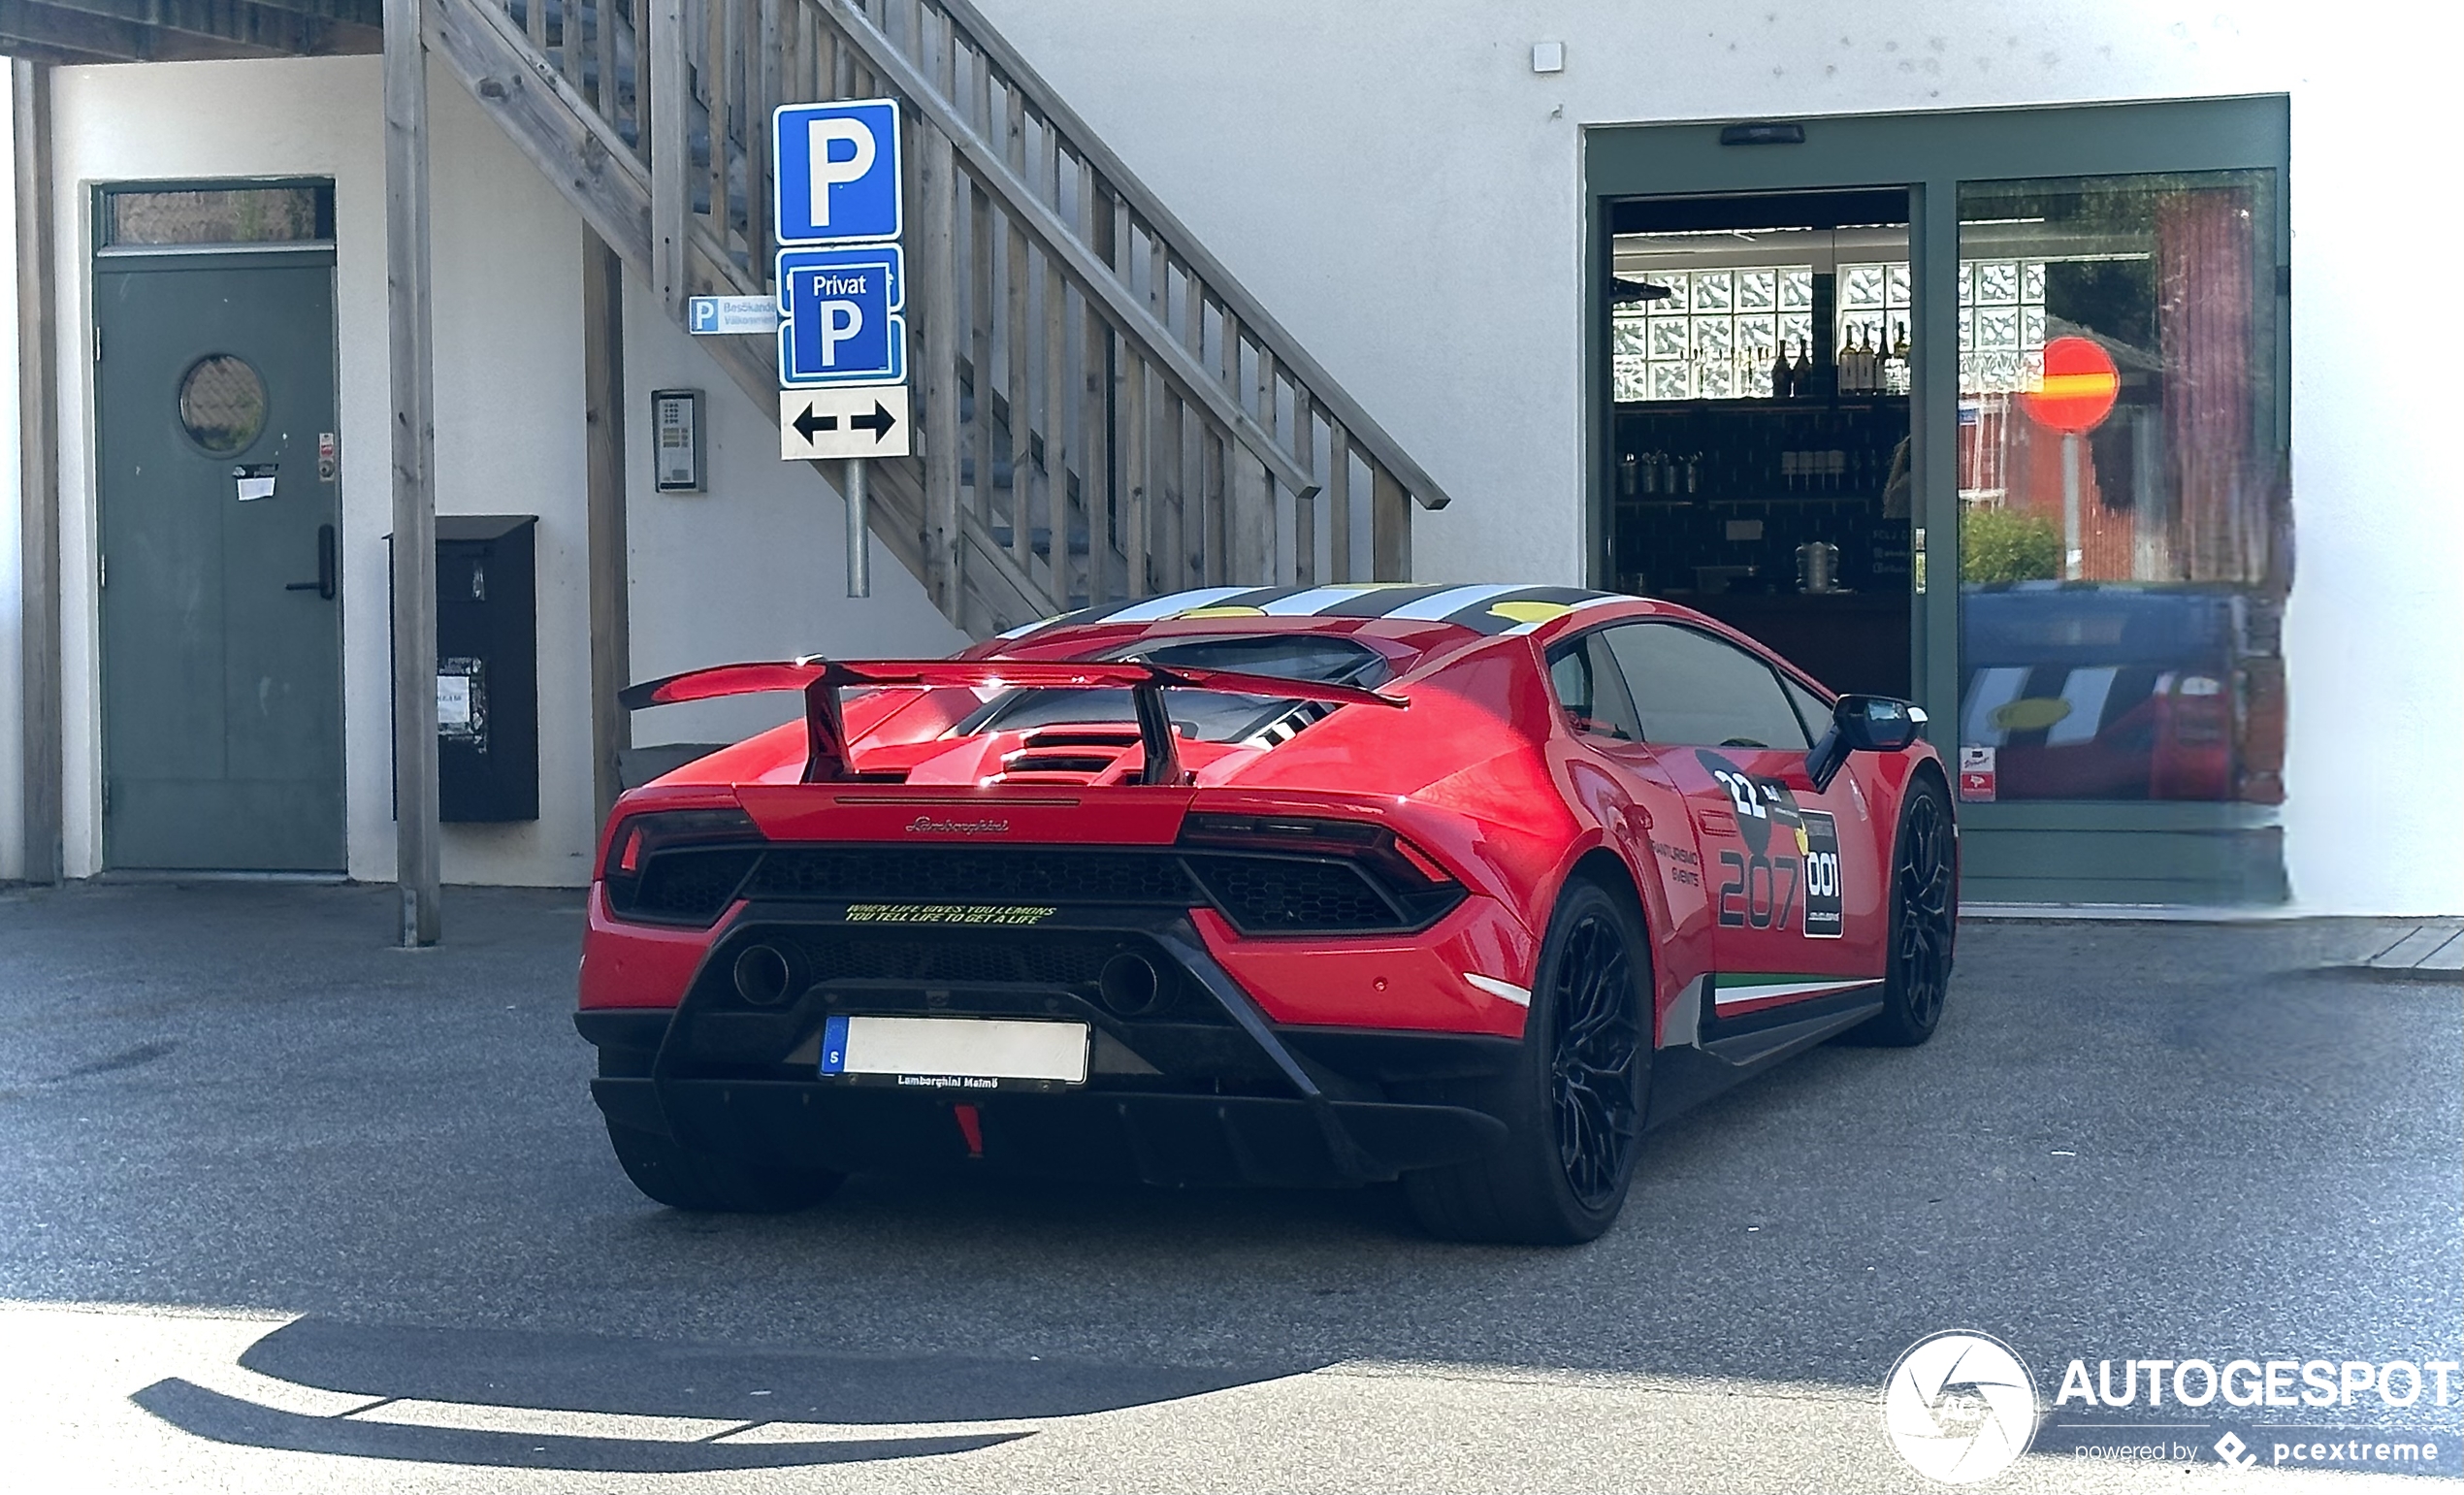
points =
(752, 569)
(1404, 193)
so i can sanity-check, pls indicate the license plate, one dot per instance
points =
(955, 1053)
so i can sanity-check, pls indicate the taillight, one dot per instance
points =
(1281, 832)
(1416, 885)
(679, 866)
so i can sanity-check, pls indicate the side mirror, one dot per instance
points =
(1862, 724)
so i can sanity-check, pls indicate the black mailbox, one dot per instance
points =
(487, 666)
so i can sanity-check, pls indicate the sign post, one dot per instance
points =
(837, 209)
(2077, 394)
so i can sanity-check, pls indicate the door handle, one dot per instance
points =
(323, 585)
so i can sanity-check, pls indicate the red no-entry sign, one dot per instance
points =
(2080, 384)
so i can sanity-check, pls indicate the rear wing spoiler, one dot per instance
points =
(822, 679)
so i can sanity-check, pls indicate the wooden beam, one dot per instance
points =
(610, 608)
(416, 830)
(545, 117)
(263, 29)
(358, 15)
(31, 51)
(38, 473)
(670, 158)
(93, 36)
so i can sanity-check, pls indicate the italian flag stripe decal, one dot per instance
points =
(1727, 990)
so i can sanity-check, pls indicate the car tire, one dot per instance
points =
(1925, 913)
(1574, 1101)
(683, 1177)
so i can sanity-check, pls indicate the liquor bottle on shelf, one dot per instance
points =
(1896, 363)
(1852, 365)
(1782, 379)
(1626, 473)
(1801, 378)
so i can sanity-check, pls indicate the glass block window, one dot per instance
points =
(2001, 318)
(1714, 335)
(2001, 325)
(1874, 305)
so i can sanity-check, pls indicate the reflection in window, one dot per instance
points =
(2120, 587)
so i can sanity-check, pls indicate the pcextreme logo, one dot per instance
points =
(1960, 1407)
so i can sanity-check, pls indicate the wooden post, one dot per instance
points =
(940, 311)
(1338, 561)
(1390, 527)
(1304, 504)
(37, 472)
(416, 831)
(670, 158)
(610, 604)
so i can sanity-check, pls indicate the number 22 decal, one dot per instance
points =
(1742, 792)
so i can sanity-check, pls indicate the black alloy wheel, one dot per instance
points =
(1925, 910)
(1596, 1047)
(1574, 1102)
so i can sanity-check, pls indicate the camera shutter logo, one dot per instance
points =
(1960, 1407)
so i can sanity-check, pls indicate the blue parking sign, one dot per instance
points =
(841, 316)
(837, 178)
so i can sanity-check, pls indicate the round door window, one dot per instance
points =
(221, 403)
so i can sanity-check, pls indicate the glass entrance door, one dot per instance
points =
(2124, 523)
(2095, 424)
(1762, 463)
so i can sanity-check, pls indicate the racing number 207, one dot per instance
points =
(1761, 890)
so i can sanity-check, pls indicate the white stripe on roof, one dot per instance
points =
(1453, 599)
(1306, 604)
(1155, 607)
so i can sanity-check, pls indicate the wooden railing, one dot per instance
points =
(1104, 412)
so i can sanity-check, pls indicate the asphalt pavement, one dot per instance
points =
(285, 1208)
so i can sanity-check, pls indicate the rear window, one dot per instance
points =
(1203, 716)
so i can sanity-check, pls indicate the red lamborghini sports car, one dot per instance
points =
(1460, 886)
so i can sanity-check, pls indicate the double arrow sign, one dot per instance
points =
(859, 420)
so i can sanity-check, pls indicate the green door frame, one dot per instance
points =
(2205, 853)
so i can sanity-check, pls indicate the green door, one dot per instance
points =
(221, 612)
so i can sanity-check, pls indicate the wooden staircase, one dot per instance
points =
(1103, 412)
